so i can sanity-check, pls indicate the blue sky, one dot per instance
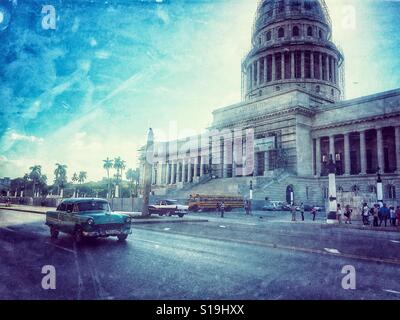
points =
(90, 88)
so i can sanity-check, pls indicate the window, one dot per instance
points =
(391, 192)
(309, 32)
(321, 34)
(62, 207)
(278, 88)
(259, 41)
(372, 189)
(318, 89)
(326, 192)
(296, 31)
(269, 36)
(339, 189)
(308, 5)
(295, 6)
(332, 92)
(281, 6)
(355, 189)
(281, 32)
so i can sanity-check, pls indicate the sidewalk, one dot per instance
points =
(137, 216)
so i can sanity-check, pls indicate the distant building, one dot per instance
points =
(291, 119)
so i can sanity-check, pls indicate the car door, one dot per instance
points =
(69, 221)
(61, 210)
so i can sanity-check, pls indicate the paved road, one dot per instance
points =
(220, 259)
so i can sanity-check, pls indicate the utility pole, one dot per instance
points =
(379, 188)
(332, 217)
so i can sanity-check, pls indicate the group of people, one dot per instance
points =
(380, 214)
(301, 208)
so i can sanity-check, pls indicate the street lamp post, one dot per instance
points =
(332, 218)
(147, 174)
(379, 188)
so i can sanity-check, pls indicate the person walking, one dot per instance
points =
(339, 213)
(384, 214)
(247, 207)
(392, 216)
(398, 215)
(365, 214)
(347, 213)
(375, 214)
(313, 212)
(293, 211)
(222, 209)
(302, 211)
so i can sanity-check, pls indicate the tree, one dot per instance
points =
(82, 177)
(75, 179)
(132, 175)
(34, 175)
(60, 174)
(119, 165)
(107, 165)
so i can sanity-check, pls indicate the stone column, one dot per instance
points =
(273, 67)
(397, 146)
(201, 166)
(318, 156)
(333, 69)
(332, 147)
(303, 65)
(184, 171)
(379, 146)
(327, 67)
(258, 74)
(173, 172)
(320, 65)
(347, 165)
(196, 164)
(266, 163)
(292, 65)
(189, 170)
(312, 64)
(265, 69)
(363, 153)
(168, 175)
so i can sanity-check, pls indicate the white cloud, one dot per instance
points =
(14, 136)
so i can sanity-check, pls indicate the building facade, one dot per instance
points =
(291, 119)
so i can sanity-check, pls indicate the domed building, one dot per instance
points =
(291, 119)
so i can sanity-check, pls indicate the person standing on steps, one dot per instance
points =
(222, 209)
(302, 211)
(313, 212)
(293, 211)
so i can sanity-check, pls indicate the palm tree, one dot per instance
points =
(133, 177)
(119, 165)
(60, 174)
(108, 164)
(26, 179)
(34, 175)
(82, 177)
(75, 179)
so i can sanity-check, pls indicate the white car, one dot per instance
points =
(168, 207)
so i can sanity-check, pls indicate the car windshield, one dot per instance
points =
(93, 206)
(171, 202)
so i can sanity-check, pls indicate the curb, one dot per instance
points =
(22, 210)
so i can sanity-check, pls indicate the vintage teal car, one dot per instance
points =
(84, 217)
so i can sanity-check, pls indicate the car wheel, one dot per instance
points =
(169, 213)
(122, 237)
(181, 215)
(78, 236)
(160, 214)
(54, 232)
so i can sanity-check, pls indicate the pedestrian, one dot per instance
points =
(339, 213)
(222, 209)
(398, 215)
(365, 214)
(392, 216)
(375, 214)
(347, 213)
(313, 212)
(293, 211)
(246, 207)
(302, 211)
(384, 214)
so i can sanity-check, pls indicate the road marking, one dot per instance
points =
(78, 269)
(144, 240)
(334, 251)
(392, 291)
(394, 241)
(8, 229)
(60, 247)
(222, 226)
(167, 229)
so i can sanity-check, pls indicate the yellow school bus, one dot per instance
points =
(201, 202)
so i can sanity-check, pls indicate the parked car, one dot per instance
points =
(276, 206)
(168, 207)
(92, 218)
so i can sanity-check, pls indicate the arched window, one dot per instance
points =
(309, 32)
(268, 35)
(332, 92)
(281, 32)
(318, 89)
(391, 191)
(339, 189)
(296, 31)
(321, 34)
